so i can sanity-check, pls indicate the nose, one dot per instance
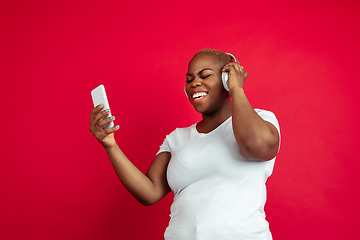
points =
(196, 82)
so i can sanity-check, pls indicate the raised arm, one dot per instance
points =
(147, 188)
(257, 139)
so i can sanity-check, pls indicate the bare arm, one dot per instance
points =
(257, 139)
(147, 189)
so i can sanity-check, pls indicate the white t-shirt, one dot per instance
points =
(217, 193)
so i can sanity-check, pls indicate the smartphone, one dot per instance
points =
(99, 97)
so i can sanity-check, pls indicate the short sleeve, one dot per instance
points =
(269, 117)
(164, 147)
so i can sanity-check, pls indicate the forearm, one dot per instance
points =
(255, 137)
(137, 183)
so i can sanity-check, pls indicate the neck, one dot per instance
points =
(211, 121)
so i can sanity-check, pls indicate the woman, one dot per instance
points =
(217, 168)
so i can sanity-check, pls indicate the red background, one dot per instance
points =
(55, 180)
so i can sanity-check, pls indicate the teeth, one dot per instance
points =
(199, 94)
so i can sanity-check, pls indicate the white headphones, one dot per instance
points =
(224, 75)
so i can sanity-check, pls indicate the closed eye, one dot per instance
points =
(190, 79)
(206, 76)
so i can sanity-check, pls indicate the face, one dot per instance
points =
(204, 85)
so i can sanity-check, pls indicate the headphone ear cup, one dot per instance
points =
(185, 92)
(225, 80)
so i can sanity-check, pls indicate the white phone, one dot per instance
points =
(99, 97)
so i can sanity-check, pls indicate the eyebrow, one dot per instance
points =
(188, 74)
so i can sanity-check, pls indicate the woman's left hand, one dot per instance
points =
(237, 75)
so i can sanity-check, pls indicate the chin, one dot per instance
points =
(203, 110)
(198, 110)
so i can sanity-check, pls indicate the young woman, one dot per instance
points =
(217, 168)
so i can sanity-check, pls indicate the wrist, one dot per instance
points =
(109, 149)
(235, 90)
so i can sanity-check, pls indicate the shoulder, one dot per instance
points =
(263, 112)
(175, 139)
(268, 116)
(179, 132)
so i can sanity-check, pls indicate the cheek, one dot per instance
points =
(219, 91)
(216, 85)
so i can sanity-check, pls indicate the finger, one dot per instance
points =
(227, 67)
(238, 67)
(105, 121)
(111, 130)
(98, 116)
(234, 65)
(101, 115)
(93, 112)
(246, 75)
(96, 109)
(101, 135)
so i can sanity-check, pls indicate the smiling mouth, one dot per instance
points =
(199, 95)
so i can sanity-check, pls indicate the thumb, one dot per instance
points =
(245, 75)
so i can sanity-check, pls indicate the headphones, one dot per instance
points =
(224, 75)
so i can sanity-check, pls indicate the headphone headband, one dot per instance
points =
(233, 57)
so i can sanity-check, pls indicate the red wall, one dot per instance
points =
(55, 180)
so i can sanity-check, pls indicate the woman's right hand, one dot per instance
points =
(105, 137)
